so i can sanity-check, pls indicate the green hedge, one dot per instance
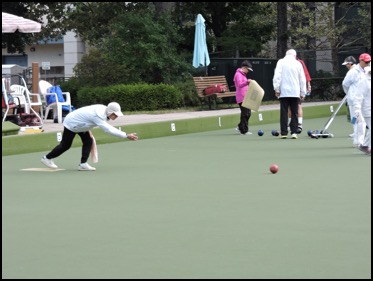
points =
(135, 97)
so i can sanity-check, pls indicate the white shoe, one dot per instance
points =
(86, 167)
(48, 162)
(351, 135)
(294, 136)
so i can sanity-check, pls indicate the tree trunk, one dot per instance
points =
(282, 29)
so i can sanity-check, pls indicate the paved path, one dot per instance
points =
(50, 126)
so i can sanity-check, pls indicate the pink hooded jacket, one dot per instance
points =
(241, 83)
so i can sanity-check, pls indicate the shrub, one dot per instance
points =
(189, 93)
(133, 97)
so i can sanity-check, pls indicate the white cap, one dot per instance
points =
(114, 107)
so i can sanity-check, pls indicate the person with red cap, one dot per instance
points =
(80, 122)
(362, 105)
(350, 86)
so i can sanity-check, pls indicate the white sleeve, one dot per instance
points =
(359, 95)
(107, 128)
(348, 80)
(277, 76)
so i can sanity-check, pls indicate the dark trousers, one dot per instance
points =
(66, 142)
(243, 126)
(285, 104)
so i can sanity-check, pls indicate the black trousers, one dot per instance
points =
(285, 104)
(66, 142)
(243, 126)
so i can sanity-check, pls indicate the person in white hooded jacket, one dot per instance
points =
(80, 122)
(289, 83)
(349, 62)
(350, 87)
(362, 105)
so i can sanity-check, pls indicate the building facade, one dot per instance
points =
(56, 59)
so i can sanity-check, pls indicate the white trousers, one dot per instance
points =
(359, 128)
(367, 139)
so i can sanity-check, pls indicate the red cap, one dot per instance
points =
(365, 57)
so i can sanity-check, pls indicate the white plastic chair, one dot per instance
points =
(30, 101)
(18, 94)
(6, 105)
(44, 87)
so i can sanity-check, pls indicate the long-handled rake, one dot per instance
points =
(323, 132)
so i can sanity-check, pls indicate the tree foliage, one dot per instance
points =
(320, 23)
(154, 41)
(147, 47)
(332, 29)
(93, 20)
(365, 24)
(232, 28)
(96, 69)
(141, 48)
(252, 30)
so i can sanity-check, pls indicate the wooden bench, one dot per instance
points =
(204, 81)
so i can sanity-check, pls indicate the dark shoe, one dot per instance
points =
(365, 149)
(299, 130)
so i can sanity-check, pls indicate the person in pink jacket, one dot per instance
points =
(242, 83)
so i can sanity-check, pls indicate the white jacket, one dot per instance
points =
(351, 81)
(289, 78)
(86, 118)
(362, 99)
